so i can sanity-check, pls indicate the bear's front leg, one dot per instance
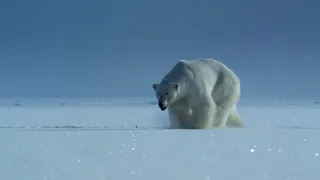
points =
(179, 116)
(203, 115)
(174, 119)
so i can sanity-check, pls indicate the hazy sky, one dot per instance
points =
(107, 48)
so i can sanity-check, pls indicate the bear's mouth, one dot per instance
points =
(162, 105)
(163, 108)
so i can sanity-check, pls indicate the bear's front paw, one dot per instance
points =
(175, 125)
(201, 126)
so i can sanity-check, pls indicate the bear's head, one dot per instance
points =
(166, 93)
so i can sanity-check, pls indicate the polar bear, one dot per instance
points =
(207, 88)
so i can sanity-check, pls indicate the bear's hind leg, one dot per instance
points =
(234, 120)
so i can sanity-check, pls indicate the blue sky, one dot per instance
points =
(112, 48)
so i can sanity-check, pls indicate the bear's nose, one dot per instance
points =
(160, 104)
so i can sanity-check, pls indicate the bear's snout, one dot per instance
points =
(162, 106)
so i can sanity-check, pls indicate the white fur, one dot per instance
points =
(206, 87)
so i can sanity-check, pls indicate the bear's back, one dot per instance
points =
(210, 64)
(203, 66)
(178, 71)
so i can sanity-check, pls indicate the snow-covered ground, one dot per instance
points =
(92, 139)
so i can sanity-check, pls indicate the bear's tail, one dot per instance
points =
(234, 120)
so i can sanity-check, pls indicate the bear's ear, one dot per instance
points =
(154, 86)
(176, 86)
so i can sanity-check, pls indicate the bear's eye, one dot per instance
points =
(167, 94)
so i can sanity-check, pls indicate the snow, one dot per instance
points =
(116, 139)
